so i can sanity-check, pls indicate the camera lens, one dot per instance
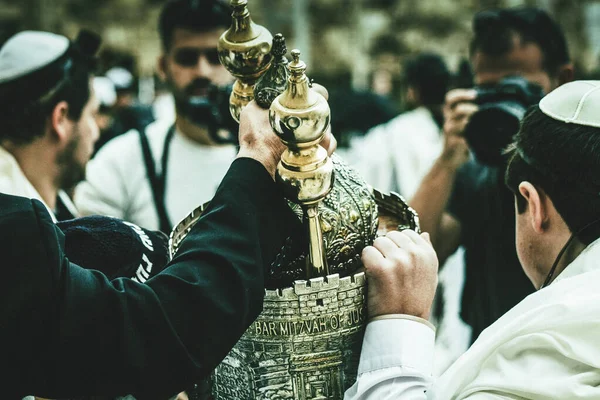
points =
(501, 108)
(491, 129)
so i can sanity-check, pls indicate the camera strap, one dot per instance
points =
(158, 180)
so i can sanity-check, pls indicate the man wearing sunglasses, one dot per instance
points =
(156, 177)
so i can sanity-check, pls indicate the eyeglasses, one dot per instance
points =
(188, 56)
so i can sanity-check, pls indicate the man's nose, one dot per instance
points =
(203, 66)
(95, 134)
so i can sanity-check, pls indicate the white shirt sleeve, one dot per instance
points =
(116, 169)
(396, 361)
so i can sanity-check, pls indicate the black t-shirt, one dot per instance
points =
(494, 278)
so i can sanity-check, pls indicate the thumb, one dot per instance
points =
(321, 90)
(425, 235)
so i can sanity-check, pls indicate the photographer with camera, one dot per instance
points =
(546, 346)
(155, 178)
(517, 55)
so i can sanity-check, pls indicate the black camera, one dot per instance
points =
(501, 107)
(212, 111)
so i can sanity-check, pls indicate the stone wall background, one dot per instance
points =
(343, 41)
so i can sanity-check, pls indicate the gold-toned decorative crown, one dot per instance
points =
(351, 215)
(306, 342)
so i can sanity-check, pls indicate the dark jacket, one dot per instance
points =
(68, 332)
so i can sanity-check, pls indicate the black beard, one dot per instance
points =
(71, 171)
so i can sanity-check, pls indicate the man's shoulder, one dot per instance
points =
(127, 142)
(22, 221)
(14, 205)
(419, 115)
(411, 124)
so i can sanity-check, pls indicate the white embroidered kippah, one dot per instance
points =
(575, 102)
(29, 51)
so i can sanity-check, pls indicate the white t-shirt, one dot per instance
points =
(117, 184)
(395, 156)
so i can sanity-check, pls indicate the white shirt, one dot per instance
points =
(546, 347)
(117, 185)
(14, 182)
(395, 156)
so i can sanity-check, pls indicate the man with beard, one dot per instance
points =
(47, 118)
(155, 178)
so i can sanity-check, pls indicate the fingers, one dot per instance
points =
(372, 257)
(456, 96)
(253, 112)
(406, 240)
(426, 237)
(385, 245)
(463, 110)
(329, 142)
(458, 109)
(416, 238)
(332, 145)
(456, 120)
(253, 105)
(401, 239)
(321, 90)
(402, 272)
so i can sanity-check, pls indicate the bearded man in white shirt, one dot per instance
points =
(547, 346)
(47, 118)
(155, 178)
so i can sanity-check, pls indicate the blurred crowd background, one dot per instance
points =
(354, 47)
(387, 64)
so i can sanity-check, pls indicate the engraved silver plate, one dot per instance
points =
(306, 342)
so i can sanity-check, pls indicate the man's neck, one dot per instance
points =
(39, 167)
(571, 253)
(437, 114)
(192, 131)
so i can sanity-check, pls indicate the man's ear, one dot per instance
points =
(412, 95)
(161, 67)
(536, 206)
(566, 74)
(59, 120)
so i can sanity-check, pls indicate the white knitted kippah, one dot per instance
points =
(574, 102)
(29, 51)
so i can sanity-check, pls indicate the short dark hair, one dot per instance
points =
(195, 15)
(494, 30)
(563, 160)
(428, 74)
(24, 117)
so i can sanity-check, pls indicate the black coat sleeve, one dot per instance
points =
(154, 339)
